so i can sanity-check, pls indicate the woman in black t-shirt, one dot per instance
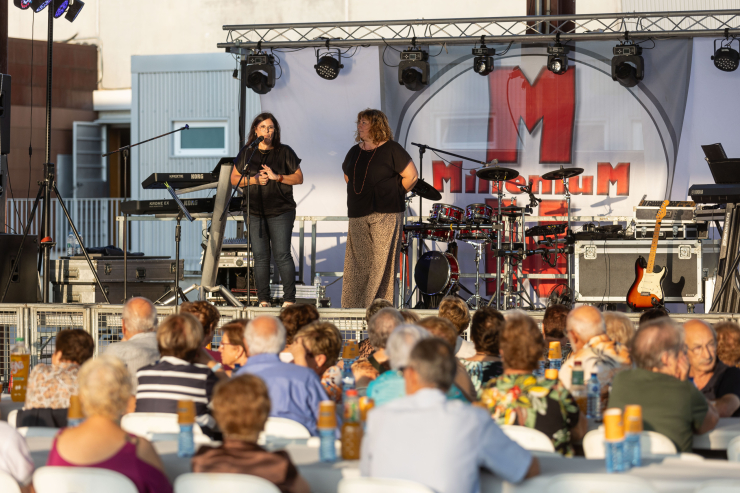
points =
(273, 169)
(378, 172)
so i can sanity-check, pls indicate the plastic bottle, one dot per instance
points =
(186, 420)
(317, 288)
(327, 425)
(74, 411)
(349, 354)
(555, 355)
(577, 388)
(594, 398)
(71, 240)
(78, 247)
(551, 374)
(366, 404)
(614, 440)
(20, 360)
(351, 428)
(632, 432)
(540, 371)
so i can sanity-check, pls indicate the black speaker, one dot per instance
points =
(4, 114)
(25, 281)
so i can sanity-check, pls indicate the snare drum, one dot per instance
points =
(446, 214)
(479, 213)
(435, 272)
(475, 235)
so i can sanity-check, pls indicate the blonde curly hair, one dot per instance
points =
(380, 129)
(104, 387)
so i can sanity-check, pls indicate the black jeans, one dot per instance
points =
(273, 235)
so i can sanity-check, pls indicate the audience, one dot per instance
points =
(105, 394)
(15, 457)
(719, 383)
(294, 317)
(454, 309)
(519, 398)
(378, 304)
(553, 327)
(177, 376)
(485, 331)
(653, 314)
(138, 345)
(208, 316)
(317, 346)
(295, 391)
(232, 348)
(619, 328)
(379, 327)
(592, 347)
(671, 404)
(728, 343)
(241, 407)
(409, 316)
(442, 444)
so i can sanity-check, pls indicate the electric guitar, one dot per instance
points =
(647, 290)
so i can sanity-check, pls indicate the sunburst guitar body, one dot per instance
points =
(647, 290)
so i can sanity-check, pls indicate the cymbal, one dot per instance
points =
(496, 173)
(426, 191)
(562, 173)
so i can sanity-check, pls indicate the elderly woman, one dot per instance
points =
(208, 316)
(366, 349)
(105, 393)
(176, 376)
(728, 343)
(379, 328)
(619, 328)
(232, 348)
(486, 333)
(378, 173)
(318, 346)
(519, 398)
(294, 317)
(241, 406)
(454, 309)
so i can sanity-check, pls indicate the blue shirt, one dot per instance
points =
(391, 385)
(295, 391)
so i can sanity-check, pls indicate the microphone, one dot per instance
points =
(255, 142)
(187, 126)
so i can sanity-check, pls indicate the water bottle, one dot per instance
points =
(327, 425)
(78, 247)
(594, 398)
(317, 288)
(350, 352)
(633, 430)
(539, 372)
(614, 441)
(555, 355)
(71, 240)
(186, 420)
(74, 412)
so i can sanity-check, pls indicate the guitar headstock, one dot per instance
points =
(661, 211)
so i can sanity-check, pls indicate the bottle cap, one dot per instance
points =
(327, 415)
(556, 351)
(75, 408)
(578, 365)
(352, 393)
(366, 404)
(594, 374)
(185, 412)
(613, 424)
(551, 374)
(21, 339)
(351, 350)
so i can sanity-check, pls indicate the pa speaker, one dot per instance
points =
(25, 280)
(4, 114)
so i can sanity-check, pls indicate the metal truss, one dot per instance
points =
(529, 29)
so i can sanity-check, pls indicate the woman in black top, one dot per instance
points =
(378, 172)
(273, 170)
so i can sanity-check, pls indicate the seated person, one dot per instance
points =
(409, 316)
(553, 327)
(454, 309)
(295, 391)
(208, 316)
(379, 327)
(294, 317)
(105, 394)
(232, 348)
(317, 346)
(485, 331)
(442, 444)
(719, 383)
(671, 405)
(619, 328)
(176, 376)
(728, 343)
(241, 407)
(364, 373)
(652, 314)
(378, 304)
(49, 386)
(15, 457)
(519, 398)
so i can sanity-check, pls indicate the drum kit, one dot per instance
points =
(479, 225)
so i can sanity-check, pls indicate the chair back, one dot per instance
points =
(285, 428)
(653, 444)
(12, 417)
(38, 431)
(223, 483)
(149, 424)
(528, 438)
(603, 483)
(733, 450)
(719, 486)
(8, 483)
(65, 479)
(377, 485)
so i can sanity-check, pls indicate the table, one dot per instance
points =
(7, 405)
(720, 436)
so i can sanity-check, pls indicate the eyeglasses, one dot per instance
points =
(711, 347)
(266, 129)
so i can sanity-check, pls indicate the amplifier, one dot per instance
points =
(89, 293)
(605, 270)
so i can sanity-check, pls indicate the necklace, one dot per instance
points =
(263, 152)
(354, 173)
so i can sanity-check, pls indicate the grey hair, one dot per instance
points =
(135, 322)
(619, 327)
(654, 339)
(262, 343)
(400, 343)
(584, 328)
(434, 360)
(380, 326)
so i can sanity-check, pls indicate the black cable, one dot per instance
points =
(30, 124)
(383, 57)
(645, 41)
(440, 51)
(506, 50)
(451, 163)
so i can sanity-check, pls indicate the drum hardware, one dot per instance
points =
(425, 190)
(478, 255)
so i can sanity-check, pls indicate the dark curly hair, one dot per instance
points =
(207, 315)
(485, 330)
(76, 345)
(294, 317)
(553, 323)
(522, 344)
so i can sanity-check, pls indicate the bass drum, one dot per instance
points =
(435, 271)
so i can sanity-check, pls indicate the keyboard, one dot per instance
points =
(716, 193)
(178, 180)
(194, 206)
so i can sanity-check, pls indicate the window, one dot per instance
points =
(202, 138)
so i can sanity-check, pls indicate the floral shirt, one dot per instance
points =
(481, 372)
(49, 386)
(525, 400)
(600, 355)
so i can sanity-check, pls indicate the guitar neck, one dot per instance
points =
(654, 245)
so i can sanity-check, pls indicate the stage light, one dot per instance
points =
(260, 73)
(22, 4)
(74, 10)
(413, 70)
(557, 59)
(59, 7)
(628, 66)
(725, 58)
(39, 5)
(483, 61)
(327, 66)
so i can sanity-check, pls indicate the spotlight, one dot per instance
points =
(74, 10)
(557, 59)
(59, 7)
(725, 58)
(413, 70)
(39, 5)
(628, 66)
(260, 73)
(327, 66)
(22, 4)
(483, 61)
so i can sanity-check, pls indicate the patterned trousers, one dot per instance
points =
(373, 242)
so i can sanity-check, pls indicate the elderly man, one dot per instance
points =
(379, 327)
(671, 405)
(591, 346)
(138, 345)
(295, 391)
(423, 437)
(718, 382)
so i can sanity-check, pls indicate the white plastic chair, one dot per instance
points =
(285, 428)
(13, 417)
(653, 444)
(733, 450)
(719, 486)
(223, 483)
(8, 483)
(381, 485)
(601, 483)
(528, 438)
(57, 479)
(37, 431)
(148, 425)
